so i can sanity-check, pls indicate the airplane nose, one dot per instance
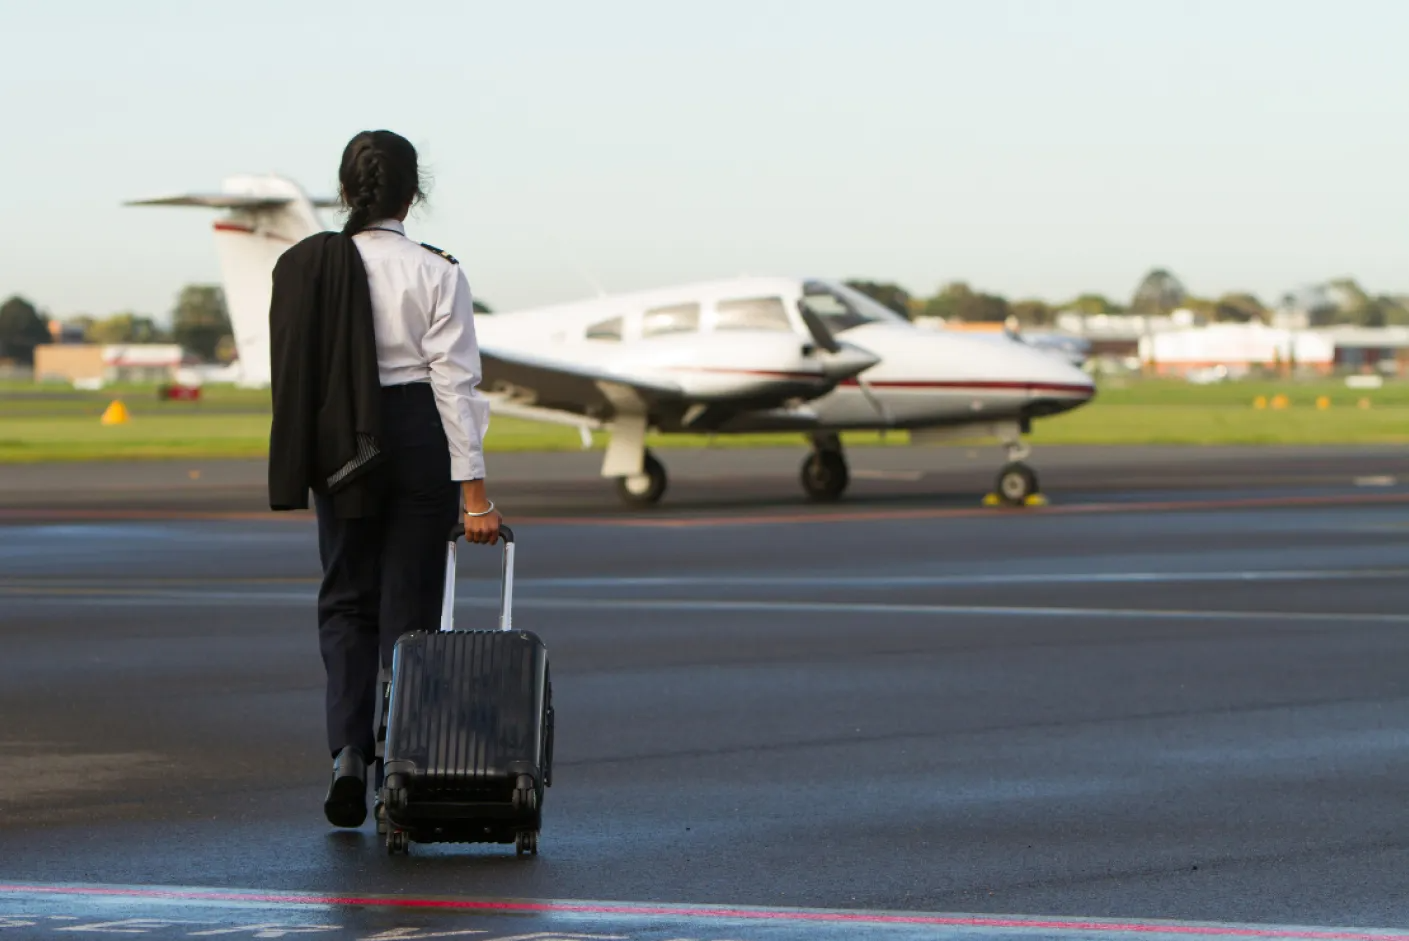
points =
(848, 361)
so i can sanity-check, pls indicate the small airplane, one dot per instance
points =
(735, 356)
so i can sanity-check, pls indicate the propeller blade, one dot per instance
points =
(871, 397)
(818, 329)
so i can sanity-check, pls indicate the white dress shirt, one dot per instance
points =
(423, 316)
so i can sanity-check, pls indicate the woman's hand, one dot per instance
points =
(481, 530)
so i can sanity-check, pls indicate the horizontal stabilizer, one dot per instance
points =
(227, 201)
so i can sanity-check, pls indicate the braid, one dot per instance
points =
(379, 178)
(364, 195)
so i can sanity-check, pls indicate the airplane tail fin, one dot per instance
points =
(264, 215)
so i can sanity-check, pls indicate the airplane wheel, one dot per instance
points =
(1016, 482)
(646, 489)
(824, 475)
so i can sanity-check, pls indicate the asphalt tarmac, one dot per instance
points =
(1166, 710)
(711, 481)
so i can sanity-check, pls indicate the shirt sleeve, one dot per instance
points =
(452, 352)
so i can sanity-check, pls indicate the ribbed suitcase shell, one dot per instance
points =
(470, 716)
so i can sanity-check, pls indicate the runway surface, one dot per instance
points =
(566, 485)
(1103, 720)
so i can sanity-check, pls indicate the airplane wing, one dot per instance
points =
(541, 383)
(227, 201)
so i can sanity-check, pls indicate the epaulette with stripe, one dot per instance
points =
(441, 252)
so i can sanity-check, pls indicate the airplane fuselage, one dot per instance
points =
(913, 377)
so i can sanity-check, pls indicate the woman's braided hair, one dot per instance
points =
(379, 178)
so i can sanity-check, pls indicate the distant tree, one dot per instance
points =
(81, 322)
(1348, 296)
(225, 351)
(201, 320)
(1380, 311)
(481, 307)
(1092, 304)
(1240, 308)
(1203, 309)
(21, 330)
(1316, 303)
(959, 302)
(891, 295)
(1159, 293)
(125, 328)
(1033, 313)
(1395, 308)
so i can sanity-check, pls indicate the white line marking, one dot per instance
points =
(863, 474)
(1383, 480)
(898, 581)
(823, 607)
(709, 605)
(22, 586)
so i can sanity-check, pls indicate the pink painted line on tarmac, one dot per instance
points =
(708, 913)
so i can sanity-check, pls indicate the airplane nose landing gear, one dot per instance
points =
(1017, 482)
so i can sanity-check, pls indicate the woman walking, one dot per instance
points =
(376, 412)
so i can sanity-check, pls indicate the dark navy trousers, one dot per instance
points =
(384, 575)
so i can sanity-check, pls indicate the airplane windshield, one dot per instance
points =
(842, 308)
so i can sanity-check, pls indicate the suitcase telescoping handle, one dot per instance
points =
(506, 584)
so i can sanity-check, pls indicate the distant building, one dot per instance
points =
(65, 332)
(91, 362)
(1382, 350)
(1238, 348)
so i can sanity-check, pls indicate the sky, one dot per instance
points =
(1033, 148)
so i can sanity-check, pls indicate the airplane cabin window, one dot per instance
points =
(842, 308)
(757, 313)
(678, 318)
(605, 330)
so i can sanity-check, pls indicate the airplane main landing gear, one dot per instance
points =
(824, 472)
(646, 488)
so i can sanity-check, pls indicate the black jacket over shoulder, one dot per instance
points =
(326, 432)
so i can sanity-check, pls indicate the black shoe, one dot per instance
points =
(346, 803)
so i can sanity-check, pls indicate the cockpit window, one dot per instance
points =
(605, 330)
(757, 313)
(842, 308)
(678, 318)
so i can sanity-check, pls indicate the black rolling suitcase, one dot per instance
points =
(468, 730)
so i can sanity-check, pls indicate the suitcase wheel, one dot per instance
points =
(398, 841)
(525, 794)
(526, 843)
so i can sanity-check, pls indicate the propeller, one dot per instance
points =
(818, 329)
(876, 403)
(825, 340)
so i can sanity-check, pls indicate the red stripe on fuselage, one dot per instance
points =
(247, 230)
(977, 385)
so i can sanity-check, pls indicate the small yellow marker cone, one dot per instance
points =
(1364, 403)
(992, 499)
(1260, 402)
(1323, 403)
(115, 414)
(1035, 499)
(1280, 401)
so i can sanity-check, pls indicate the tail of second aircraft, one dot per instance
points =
(264, 216)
